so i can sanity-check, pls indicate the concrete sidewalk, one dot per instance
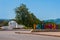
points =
(55, 34)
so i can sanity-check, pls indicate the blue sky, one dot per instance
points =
(42, 9)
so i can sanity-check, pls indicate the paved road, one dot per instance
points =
(10, 35)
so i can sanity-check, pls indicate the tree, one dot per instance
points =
(35, 20)
(23, 16)
(3, 23)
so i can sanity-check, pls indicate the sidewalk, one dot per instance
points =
(55, 34)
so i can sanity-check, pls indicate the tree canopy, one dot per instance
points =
(23, 16)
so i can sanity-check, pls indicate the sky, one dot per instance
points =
(42, 9)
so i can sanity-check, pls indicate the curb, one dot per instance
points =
(47, 35)
(38, 34)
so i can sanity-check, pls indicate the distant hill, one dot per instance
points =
(57, 21)
(6, 19)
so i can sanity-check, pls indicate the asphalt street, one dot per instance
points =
(11, 35)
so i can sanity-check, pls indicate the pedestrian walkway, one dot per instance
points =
(55, 34)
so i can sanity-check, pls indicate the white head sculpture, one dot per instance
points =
(12, 24)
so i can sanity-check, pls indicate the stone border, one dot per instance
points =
(38, 34)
